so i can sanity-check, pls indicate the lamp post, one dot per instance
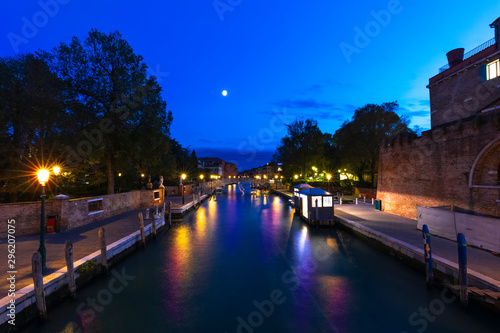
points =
(183, 176)
(328, 176)
(56, 170)
(201, 184)
(43, 178)
(276, 180)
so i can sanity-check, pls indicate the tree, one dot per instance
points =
(358, 140)
(302, 148)
(117, 109)
(30, 120)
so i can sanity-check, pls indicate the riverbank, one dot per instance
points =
(400, 238)
(121, 231)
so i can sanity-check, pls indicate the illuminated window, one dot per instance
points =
(327, 202)
(319, 199)
(492, 70)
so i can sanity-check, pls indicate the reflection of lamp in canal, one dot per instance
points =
(43, 178)
(183, 176)
(56, 170)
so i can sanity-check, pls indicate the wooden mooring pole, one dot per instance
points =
(153, 228)
(141, 228)
(70, 270)
(104, 256)
(429, 275)
(170, 213)
(36, 263)
(462, 269)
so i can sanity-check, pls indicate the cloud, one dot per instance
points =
(304, 104)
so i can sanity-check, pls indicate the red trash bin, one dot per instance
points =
(51, 224)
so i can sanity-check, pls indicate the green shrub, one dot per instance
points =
(87, 266)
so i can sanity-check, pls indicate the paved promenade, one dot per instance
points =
(85, 241)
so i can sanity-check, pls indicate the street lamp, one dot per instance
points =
(43, 178)
(201, 184)
(296, 177)
(183, 176)
(328, 176)
(56, 170)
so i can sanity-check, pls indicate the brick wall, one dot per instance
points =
(434, 170)
(458, 93)
(71, 213)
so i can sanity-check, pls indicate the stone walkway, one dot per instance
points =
(405, 230)
(85, 241)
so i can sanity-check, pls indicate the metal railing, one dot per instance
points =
(472, 52)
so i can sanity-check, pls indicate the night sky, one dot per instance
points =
(278, 60)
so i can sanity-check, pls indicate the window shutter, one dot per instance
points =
(483, 73)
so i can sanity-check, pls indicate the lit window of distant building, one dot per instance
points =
(493, 70)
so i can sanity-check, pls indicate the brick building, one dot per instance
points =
(456, 162)
(217, 166)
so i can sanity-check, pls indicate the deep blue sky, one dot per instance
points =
(278, 60)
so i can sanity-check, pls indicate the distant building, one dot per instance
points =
(267, 171)
(213, 164)
(456, 162)
(217, 166)
(230, 170)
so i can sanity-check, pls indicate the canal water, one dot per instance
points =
(244, 263)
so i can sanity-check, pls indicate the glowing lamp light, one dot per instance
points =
(43, 176)
(119, 174)
(56, 170)
(142, 175)
(183, 176)
(296, 177)
(201, 176)
(276, 176)
(328, 176)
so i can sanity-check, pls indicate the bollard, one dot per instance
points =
(364, 199)
(373, 201)
(194, 199)
(340, 201)
(429, 275)
(104, 256)
(147, 214)
(356, 201)
(141, 228)
(70, 270)
(170, 213)
(36, 263)
(462, 269)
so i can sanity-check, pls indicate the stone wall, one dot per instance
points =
(434, 170)
(72, 213)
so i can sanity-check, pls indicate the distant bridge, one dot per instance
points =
(228, 181)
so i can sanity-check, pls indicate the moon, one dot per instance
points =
(224, 92)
